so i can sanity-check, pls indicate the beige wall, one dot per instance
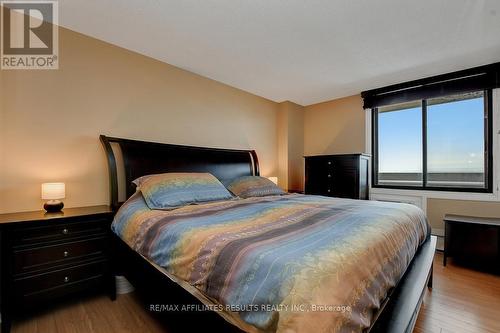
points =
(282, 133)
(296, 148)
(291, 146)
(51, 119)
(50, 122)
(336, 126)
(2, 125)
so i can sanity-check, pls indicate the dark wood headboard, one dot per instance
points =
(141, 158)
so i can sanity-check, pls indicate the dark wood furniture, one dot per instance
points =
(474, 241)
(343, 176)
(46, 256)
(397, 315)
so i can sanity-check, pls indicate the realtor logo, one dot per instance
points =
(29, 35)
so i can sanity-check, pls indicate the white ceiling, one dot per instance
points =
(305, 51)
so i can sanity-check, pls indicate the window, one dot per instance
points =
(440, 143)
(400, 145)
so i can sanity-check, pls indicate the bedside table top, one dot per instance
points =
(495, 221)
(40, 215)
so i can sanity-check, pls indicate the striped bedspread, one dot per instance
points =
(291, 263)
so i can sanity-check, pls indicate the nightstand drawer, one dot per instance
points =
(60, 282)
(24, 236)
(47, 256)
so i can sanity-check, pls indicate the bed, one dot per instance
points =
(279, 263)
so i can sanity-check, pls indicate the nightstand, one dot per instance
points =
(474, 241)
(48, 256)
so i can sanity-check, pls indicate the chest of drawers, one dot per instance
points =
(45, 257)
(344, 176)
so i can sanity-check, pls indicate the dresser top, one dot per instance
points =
(42, 215)
(338, 155)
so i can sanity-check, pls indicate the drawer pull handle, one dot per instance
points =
(65, 254)
(66, 279)
(65, 231)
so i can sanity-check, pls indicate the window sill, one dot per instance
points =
(473, 196)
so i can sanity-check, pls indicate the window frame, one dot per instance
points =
(488, 151)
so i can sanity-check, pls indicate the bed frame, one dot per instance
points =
(131, 159)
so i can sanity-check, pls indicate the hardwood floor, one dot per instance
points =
(462, 300)
(96, 314)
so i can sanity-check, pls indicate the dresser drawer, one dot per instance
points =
(39, 287)
(45, 257)
(55, 232)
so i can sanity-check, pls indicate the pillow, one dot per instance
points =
(254, 186)
(173, 190)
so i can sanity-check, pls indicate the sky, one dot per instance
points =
(455, 138)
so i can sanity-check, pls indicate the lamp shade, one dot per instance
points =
(53, 191)
(273, 179)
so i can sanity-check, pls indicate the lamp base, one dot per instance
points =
(53, 206)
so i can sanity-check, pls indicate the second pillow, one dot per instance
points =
(254, 186)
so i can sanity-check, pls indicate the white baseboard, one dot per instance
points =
(438, 232)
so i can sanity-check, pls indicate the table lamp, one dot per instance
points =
(53, 192)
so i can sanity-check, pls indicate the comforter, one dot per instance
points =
(289, 263)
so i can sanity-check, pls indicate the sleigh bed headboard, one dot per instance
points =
(130, 159)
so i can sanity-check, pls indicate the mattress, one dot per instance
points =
(289, 263)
